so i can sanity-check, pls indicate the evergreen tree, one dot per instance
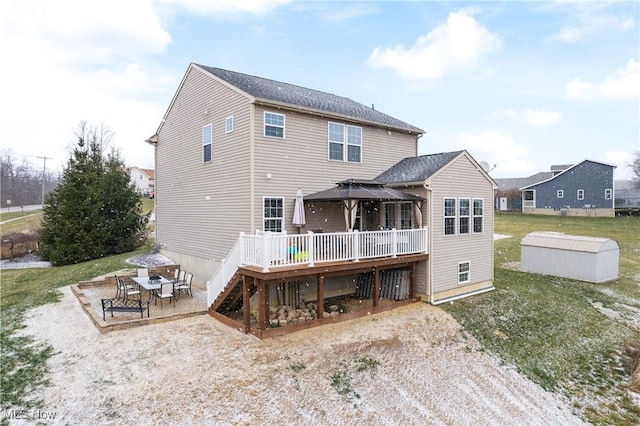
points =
(95, 211)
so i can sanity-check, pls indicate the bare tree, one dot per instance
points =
(95, 138)
(635, 170)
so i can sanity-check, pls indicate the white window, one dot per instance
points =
(274, 125)
(389, 215)
(560, 193)
(580, 194)
(345, 142)
(464, 210)
(228, 125)
(464, 272)
(273, 214)
(449, 216)
(607, 194)
(478, 215)
(207, 142)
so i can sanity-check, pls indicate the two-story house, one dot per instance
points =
(143, 180)
(232, 152)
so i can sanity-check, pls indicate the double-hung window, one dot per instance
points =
(273, 214)
(207, 142)
(478, 215)
(449, 216)
(607, 194)
(464, 215)
(228, 124)
(580, 194)
(274, 125)
(345, 143)
(560, 193)
(464, 272)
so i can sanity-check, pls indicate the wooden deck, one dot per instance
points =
(234, 306)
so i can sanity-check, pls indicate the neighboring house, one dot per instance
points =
(233, 150)
(143, 179)
(627, 197)
(584, 189)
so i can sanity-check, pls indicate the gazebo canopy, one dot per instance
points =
(356, 189)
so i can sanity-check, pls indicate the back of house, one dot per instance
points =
(233, 149)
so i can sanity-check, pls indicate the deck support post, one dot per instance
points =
(412, 281)
(246, 304)
(320, 297)
(376, 287)
(263, 304)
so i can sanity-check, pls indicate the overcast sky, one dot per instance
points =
(522, 85)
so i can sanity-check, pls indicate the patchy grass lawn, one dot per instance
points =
(23, 362)
(551, 328)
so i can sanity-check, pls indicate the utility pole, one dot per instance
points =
(44, 171)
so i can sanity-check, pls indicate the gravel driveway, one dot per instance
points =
(409, 366)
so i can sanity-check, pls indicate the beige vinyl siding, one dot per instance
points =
(460, 179)
(300, 160)
(201, 207)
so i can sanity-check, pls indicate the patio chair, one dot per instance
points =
(184, 285)
(119, 287)
(181, 275)
(143, 272)
(165, 292)
(131, 290)
(176, 275)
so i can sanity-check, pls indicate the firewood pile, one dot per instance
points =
(285, 314)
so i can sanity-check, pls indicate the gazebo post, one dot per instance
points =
(246, 304)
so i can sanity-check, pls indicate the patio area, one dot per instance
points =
(90, 294)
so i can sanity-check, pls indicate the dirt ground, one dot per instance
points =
(409, 366)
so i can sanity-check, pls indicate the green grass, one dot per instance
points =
(29, 223)
(23, 362)
(549, 328)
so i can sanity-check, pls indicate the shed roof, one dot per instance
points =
(561, 241)
(302, 97)
(355, 189)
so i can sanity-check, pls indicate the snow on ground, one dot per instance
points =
(409, 366)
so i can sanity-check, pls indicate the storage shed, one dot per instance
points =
(577, 257)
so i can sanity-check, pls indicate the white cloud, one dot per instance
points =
(256, 7)
(589, 18)
(76, 60)
(453, 47)
(623, 83)
(529, 116)
(497, 148)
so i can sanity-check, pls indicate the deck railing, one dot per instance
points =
(269, 250)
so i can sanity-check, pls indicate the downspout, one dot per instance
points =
(430, 241)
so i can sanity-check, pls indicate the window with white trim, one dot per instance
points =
(478, 215)
(464, 213)
(345, 142)
(464, 272)
(607, 194)
(207, 142)
(389, 215)
(560, 193)
(449, 216)
(273, 214)
(406, 215)
(228, 124)
(580, 194)
(274, 125)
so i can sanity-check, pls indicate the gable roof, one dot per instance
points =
(566, 171)
(416, 169)
(271, 91)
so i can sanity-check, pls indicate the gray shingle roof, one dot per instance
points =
(415, 169)
(504, 184)
(302, 97)
(358, 189)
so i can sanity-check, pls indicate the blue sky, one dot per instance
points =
(522, 85)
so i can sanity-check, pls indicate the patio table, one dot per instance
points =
(148, 285)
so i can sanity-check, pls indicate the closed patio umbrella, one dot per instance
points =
(299, 219)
